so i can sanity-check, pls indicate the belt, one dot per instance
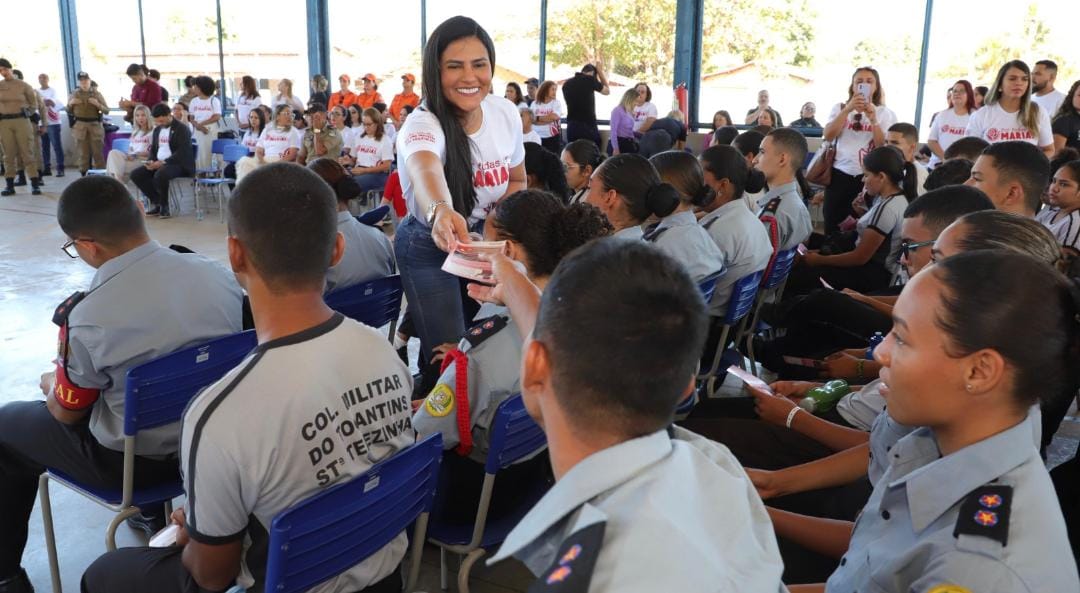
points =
(13, 116)
(88, 119)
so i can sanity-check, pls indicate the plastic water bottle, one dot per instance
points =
(214, 163)
(876, 339)
(824, 398)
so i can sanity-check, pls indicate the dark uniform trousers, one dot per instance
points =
(579, 130)
(155, 184)
(31, 440)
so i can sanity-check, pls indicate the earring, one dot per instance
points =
(968, 386)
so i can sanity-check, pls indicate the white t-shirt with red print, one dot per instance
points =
(203, 109)
(497, 147)
(643, 112)
(853, 144)
(52, 112)
(993, 124)
(550, 129)
(947, 127)
(368, 151)
(274, 141)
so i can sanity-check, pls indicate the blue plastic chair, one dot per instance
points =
(514, 437)
(375, 303)
(155, 394)
(771, 285)
(231, 151)
(741, 302)
(337, 528)
(374, 216)
(708, 284)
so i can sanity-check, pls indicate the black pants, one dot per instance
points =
(867, 278)
(579, 130)
(31, 440)
(461, 482)
(160, 570)
(554, 143)
(155, 184)
(838, 197)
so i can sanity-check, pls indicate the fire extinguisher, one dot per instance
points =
(682, 101)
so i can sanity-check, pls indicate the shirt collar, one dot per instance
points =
(596, 474)
(780, 190)
(121, 262)
(344, 216)
(724, 210)
(630, 232)
(685, 218)
(943, 481)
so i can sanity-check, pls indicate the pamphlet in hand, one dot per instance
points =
(750, 379)
(464, 260)
(166, 537)
(806, 362)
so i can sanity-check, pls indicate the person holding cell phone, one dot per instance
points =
(855, 127)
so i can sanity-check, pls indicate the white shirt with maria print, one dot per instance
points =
(993, 124)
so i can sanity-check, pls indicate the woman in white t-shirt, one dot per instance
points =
(285, 97)
(256, 123)
(876, 256)
(1010, 114)
(339, 118)
(249, 99)
(205, 111)
(1062, 216)
(855, 128)
(372, 152)
(280, 141)
(120, 164)
(951, 125)
(458, 153)
(644, 111)
(547, 113)
(513, 94)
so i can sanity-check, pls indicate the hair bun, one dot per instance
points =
(662, 199)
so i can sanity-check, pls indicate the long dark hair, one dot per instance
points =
(1067, 107)
(457, 165)
(890, 161)
(878, 98)
(639, 185)
(519, 97)
(585, 153)
(684, 173)
(248, 88)
(261, 117)
(725, 162)
(545, 228)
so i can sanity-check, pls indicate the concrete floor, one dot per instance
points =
(35, 276)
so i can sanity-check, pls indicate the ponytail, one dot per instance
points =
(639, 186)
(910, 184)
(685, 174)
(661, 199)
(804, 185)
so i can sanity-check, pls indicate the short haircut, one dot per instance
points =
(725, 135)
(206, 85)
(161, 110)
(951, 172)
(749, 142)
(1025, 164)
(941, 207)
(968, 147)
(793, 143)
(1048, 64)
(134, 69)
(624, 326)
(908, 131)
(286, 218)
(99, 208)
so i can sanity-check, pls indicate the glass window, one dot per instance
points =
(635, 42)
(387, 48)
(108, 44)
(29, 48)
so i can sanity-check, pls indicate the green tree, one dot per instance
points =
(886, 50)
(983, 61)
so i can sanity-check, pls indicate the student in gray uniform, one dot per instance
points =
(484, 368)
(638, 505)
(678, 234)
(966, 503)
(283, 239)
(780, 159)
(368, 254)
(131, 313)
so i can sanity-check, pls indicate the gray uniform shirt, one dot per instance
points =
(141, 305)
(792, 218)
(680, 236)
(933, 521)
(744, 244)
(665, 514)
(299, 414)
(367, 256)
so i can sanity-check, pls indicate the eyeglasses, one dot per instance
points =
(907, 247)
(568, 166)
(71, 243)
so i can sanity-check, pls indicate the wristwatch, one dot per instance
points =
(433, 208)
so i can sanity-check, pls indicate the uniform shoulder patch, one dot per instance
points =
(440, 402)
(771, 206)
(484, 329)
(573, 567)
(985, 512)
(63, 310)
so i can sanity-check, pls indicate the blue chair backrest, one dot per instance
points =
(809, 157)
(156, 392)
(234, 152)
(708, 284)
(374, 303)
(514, 435)
(121, 144)
(743, 293)
(337, 528)
(218, 146)
(780, 269)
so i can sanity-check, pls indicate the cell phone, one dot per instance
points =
(863, 88)
(166, 537)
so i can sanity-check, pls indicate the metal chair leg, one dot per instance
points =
(444, 580)
(466, 566)
(419, 535)
(110, 534)
(50, 535)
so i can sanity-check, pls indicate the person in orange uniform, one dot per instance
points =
(343, 97)
(371, 95)
(405, 97)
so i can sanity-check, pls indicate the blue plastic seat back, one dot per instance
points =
(708, 284)
(374, 216)
(121, 144)
(514, 435)
(375, 303)
(218, 146)
(743, 293)
(234, 152)
(156, 392)
(780, 269)
(337, 528)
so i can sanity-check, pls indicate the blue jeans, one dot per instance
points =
(370, 181)
(434, 296)
(52, 138)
